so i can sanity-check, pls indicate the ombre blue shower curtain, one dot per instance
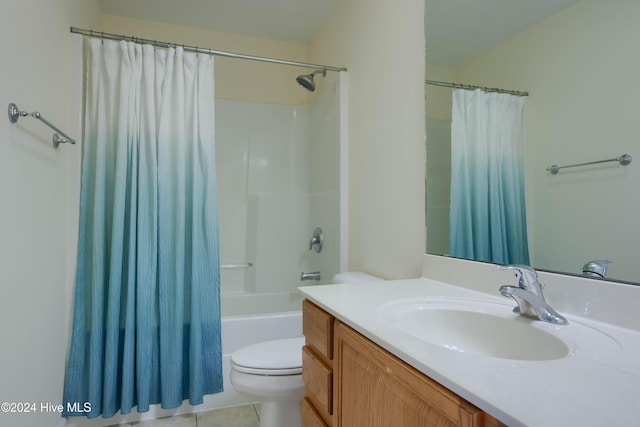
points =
(488, 213)
(146, 326)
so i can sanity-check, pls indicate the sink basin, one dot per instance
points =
(477, 327)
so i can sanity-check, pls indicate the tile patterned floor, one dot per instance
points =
(238, 416)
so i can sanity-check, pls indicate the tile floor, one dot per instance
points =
(238, 416)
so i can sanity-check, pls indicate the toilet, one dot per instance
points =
(271, 371)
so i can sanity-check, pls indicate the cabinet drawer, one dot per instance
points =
(317, 327)
(318, 381)
(310, 417)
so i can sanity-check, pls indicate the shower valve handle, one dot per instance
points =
(317, 240)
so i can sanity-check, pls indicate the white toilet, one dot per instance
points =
(272, 372)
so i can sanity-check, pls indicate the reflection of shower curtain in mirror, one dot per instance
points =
(487, 218)
(146, 326)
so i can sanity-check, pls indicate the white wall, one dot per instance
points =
(382, 44)
(35, 307)
(438, 98)
(580, 67)
(234, 78)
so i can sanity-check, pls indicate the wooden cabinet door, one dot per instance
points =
(318, 382)
(373, 388)
(310, 417)
(317, 328)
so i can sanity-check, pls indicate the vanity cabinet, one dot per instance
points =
(317, 366)
(353, 382)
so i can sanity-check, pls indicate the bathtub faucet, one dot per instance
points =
(310, 276)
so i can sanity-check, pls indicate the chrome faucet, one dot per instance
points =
(310, 276)
(596, 268)
(528, 295)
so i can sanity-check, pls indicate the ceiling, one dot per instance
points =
(288, 20)
(456, 30)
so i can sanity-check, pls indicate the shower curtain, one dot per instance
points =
(487, 217)
(146, 326)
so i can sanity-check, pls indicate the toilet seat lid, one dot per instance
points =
(277, 357)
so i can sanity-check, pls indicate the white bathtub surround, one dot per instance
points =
(278, 169)
(593, 385)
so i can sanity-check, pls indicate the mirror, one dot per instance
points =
(579, 61)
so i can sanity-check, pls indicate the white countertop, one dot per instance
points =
(583, 388)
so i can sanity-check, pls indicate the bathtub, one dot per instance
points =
(278, 316)
(248, 304)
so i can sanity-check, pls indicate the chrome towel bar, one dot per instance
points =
(15, 114)
(623, 159)
(236, 266)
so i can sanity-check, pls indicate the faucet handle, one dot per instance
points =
(527, 276)
(519, 267)
(317, 240)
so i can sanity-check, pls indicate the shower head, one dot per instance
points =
(306, 80)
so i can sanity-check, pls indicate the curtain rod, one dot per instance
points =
(102, 35)
(472, 87)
